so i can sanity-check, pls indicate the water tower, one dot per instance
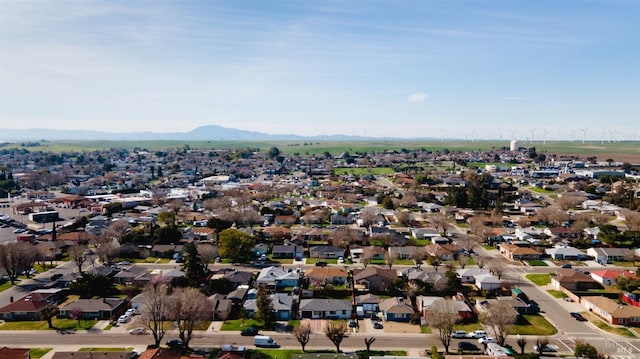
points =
(514, 145)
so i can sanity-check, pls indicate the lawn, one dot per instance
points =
(468, 327)
(202, 325)
(6, 285)
(37, 353)
(64, 324)
(282, 260)
(556, 293)
(488, 247)
(539, 190)
(237, 324)
(595, 320)
(539, 279)
(530, 324)
(537, 263)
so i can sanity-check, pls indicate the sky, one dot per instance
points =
(475, 69)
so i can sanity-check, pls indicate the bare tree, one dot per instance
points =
(77, 254)
(16, 258)
(106, 248)
(390, 258)
(632, 219)
(48, 312)
(418, 255)
(568, 200)
(368, 342)
(117, 229)
(481, 262)
(497, 268)
(368, 216)
(207, 253)
(187, 306)
(366, 258)
(522, 343)
(443, 314)
(155, 308)
(404, 217)
(499, 316)
(442, 221)
(336, 331)
(541, 343)
(303, 334)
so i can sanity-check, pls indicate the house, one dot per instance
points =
(468, 275)
(573, 280)
(327, 275)
(238, 295)
(287, 251)
(370, 303)
(373, 252)
(282, 305)
(424, 302)
(487, 281)
(14, 353)
(610, 255)
(374, 279)
(482, 306)
(228, 351)
(396, 309)
(404, 252)
(610, 276)
(236, 277)
(437, 280)
(566, 253)
(424, 233)
(260, 249)
(611, 311)
(100, 309)
(161, 353)
(131, 274)
(221, 306)
(320, 308)
(30, 306)
(444, 252)
(94, 355)
(520, 305)
(276, 277)
(517, 253)
(326, 252)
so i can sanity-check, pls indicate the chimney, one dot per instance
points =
(11, 299)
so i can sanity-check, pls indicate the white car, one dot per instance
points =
(487, 340)
(478, 334)
(124, 319)
(138, 331)
(131, 312)
(340, 260)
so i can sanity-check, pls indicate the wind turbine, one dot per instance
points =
(532, 132)
(584, 134)
(513, 132)
(544, 136)
(573, 136)
(604, 133)
(473, 135)
(442, 132)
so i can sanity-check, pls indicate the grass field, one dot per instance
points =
(539, 279)
(606, 327)
(556, 293)
(63, 324)
(532, 325)
(37, 353)
(619, 151)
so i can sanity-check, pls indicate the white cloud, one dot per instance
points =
(417, 97)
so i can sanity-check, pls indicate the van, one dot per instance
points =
(265, 341)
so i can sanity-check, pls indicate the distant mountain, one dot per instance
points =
(203, 133)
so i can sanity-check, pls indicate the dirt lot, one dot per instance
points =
(395, 327)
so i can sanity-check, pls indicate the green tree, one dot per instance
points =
(92, 285)
(265, 312)
(234, 244)
(273, 152)
(387, 203)
(194, 269)
(167, 234)
(585, 350)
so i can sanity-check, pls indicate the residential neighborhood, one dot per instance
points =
(186, 243)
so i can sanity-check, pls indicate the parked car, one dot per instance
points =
(566, 265)
(138, 331)
(458, 334)
(476, 334)
(250, 331)
(131, 312)
(340, 260)
(580, 318)
(56, 276)
(377, 325)
(175, 343)
(321, 264)
(546, 348)
(467, 346)
(124, 319)
(352, 323)
(487, 340)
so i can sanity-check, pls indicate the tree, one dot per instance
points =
(273, 152)
(167, 217)
(106, 247)
(443, 314)
(336, 332)
(194, 270)
(188, 306)
(389, 258)
(522, 343)
(585, 350)
(499, 316)
(368, 342)
(497, 268)
(155, 307)
(303, 334)
(233, 243)
(541, 343)
(90, 285)
(77, 254)
(442, 221)
(48, 312)
(76, 313)
(15, 258)
(265, 311)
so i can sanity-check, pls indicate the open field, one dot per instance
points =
(619, 151)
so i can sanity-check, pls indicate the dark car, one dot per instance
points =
(566, 265)
(321, 264)
(377, 325)
(580, 318)
(56, 276)
(468, 346)
(249, 332)
(175, 343)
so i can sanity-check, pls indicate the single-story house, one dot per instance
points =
(610, 276)
(276, 277)
(30, 306)
(468, 275)
(320, 308)
(221, 306)
(370, 303)
(517, 253)
(573, 280)
(396, 309)
(327, 275)
(374, 279)
(131, 274)
(424, 302)
(282, 304)
(287, 251)
(611, 311)
(100, 309)
(566, 253)
(487, 281)
(326, 252)
(609, 255)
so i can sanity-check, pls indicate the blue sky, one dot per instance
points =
(464, 69)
